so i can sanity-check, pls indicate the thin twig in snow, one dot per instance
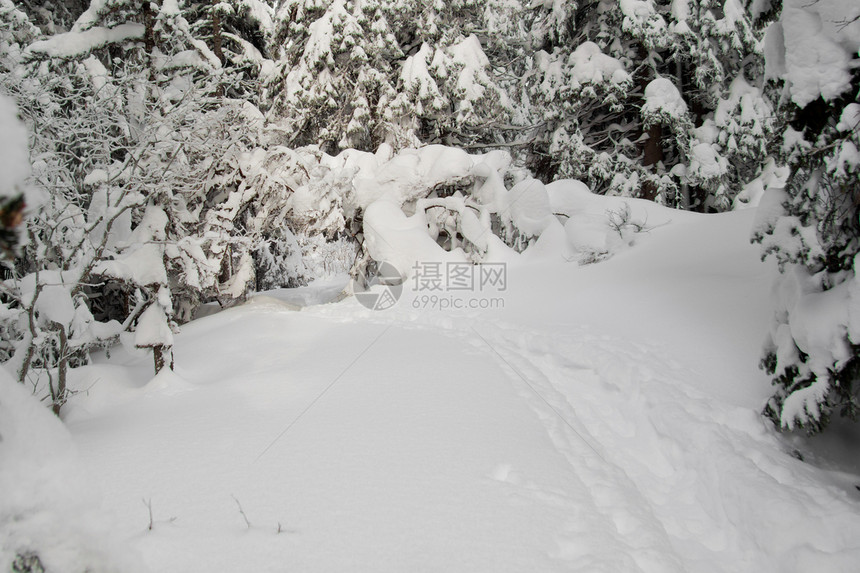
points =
(241, 511)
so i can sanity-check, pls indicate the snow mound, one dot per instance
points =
(598, 227)
(167, 383)
(529, 206)
(402, 241)
(269, 303)
(48, 508)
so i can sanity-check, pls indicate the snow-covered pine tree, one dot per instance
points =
(718, 60)
(239, 34)
(403, 72)
(448, 89)
(571, 89)
(812, 227)
(334, 85)
(53, 16)
(660, 105)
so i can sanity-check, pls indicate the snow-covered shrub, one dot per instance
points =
(461, 213)
(97, 190)
(322, 199)
(327, 258)
(153, 329)
(279, 262)
(812, 228)
(131, 160)
(597, 228)
(455, 200)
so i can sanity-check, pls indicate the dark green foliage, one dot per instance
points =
(815, 242)
(27, 563)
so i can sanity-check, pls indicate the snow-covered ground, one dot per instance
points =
(602, 417)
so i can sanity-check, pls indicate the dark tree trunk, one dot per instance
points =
(160, 355)
(217, 42)
(149, 28)
(217, 39)
(651, 140)
(652, 154)
(149, 37)
(58, 394)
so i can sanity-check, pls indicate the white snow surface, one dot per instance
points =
(604, 418)
(48, 506)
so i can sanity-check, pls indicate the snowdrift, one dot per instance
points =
(605, 417)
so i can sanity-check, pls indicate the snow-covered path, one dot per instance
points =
(441, 469)
(558, 434)
(681, 481)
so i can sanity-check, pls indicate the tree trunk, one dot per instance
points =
(59, 394)
(217, 41)
(160, 355)
(652, 154)
(149, 39)
(149, 28)
(685, 187)
(33, 332)
(651, 144)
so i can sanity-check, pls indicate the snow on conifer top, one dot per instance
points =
(812, 47)
(663, 98)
